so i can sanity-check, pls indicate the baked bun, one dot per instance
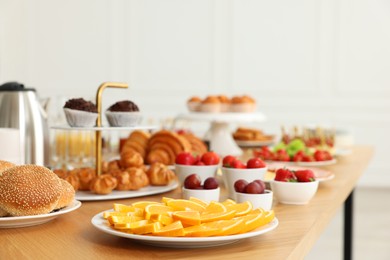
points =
(103, 184)
(131, 158)
(138, 178)
(29, 190)
(160, 175)
(3, 213)
(4, 165)
(67, 195)
(86, 175)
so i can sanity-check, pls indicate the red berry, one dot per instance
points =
(284, 174)
(238, 164)
(228, 161)
(239, 185)
(255, 163)
(253, 188)
(192, 181)
(305, 175)
(210, 184)
(210, 158)
(185, 158)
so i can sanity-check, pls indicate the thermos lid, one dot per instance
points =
(14, 86)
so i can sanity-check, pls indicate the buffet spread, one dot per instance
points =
(224, 197)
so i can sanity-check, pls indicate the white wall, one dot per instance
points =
(325, 62)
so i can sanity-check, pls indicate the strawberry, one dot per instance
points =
(284, 174)
(228, 161)
(255, 163)
(305, 175)
(282, 155)
(298, 157)
(238, 164)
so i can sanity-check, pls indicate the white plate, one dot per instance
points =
(146, 191)
(181, 242)
(26, 221)
(254, 143)
(320, 174)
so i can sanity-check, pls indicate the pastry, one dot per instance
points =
(130, 158)
(29, 190)
(80, 113)
(165, 145)
(160, 175)
(86, 175)
(67, 195)
(194, 103)
(103, 184)
(131, 179)
(73, 180)
(225, 103)
(251, 134)
(211, 104)
(198, 147)
(137, 141)
(4, 165)
(243, 104)
(61, 173)
(123, 113)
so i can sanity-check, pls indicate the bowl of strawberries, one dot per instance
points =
(234, 169)
(294, 187)
(205, 165)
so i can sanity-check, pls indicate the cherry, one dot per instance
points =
(239, 185)
(210, 184)
(253, 188)
(262, 185)
(192, 181)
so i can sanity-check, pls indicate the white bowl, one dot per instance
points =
(297, 193)
(205, 195)
(204, 171)
(263, 200)
(79, 118)
(123, 118)
(231, 175)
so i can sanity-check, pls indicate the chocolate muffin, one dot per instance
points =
(80, 113)
(123, 113)
(124, 106)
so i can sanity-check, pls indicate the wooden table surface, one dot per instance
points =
(72, 236)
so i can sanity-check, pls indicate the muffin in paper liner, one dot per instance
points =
(243, 108)
(79, 118)
(123, 118)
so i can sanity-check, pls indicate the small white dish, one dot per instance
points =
(297, 193)
(231, 175)
(204, 171)
(202, 194)
(27, 221)
(263, 200)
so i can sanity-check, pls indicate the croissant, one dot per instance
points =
(130, 158)
(197, 145)
(103, 184)
(135, 147)
(158, 155)
(160, 175)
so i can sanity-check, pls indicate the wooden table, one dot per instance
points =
(72, 236)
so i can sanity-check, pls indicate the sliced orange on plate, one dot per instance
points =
(240, 208)
(157, 209)
(187, 217)
(174, 229)
(182, 204)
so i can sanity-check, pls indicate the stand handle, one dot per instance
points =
(99, 120)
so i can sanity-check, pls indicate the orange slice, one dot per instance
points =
(200, 231)
(269, 216)
(201, 202)
(165, 199)
(107, 214)
(131, 225)
(228, 202)
(163, 219)
(123, 208)
(217, 216)
(253, 221)
(226, 227)
(123, 219)
(172, 230)
(143, 204)
(188, 217)
(145, 228)
(181, 204)
(241, 208)
(157, 209)
(214, 207)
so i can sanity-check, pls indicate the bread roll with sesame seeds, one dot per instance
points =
(29, 190)
(67, 195)
(4, 165)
